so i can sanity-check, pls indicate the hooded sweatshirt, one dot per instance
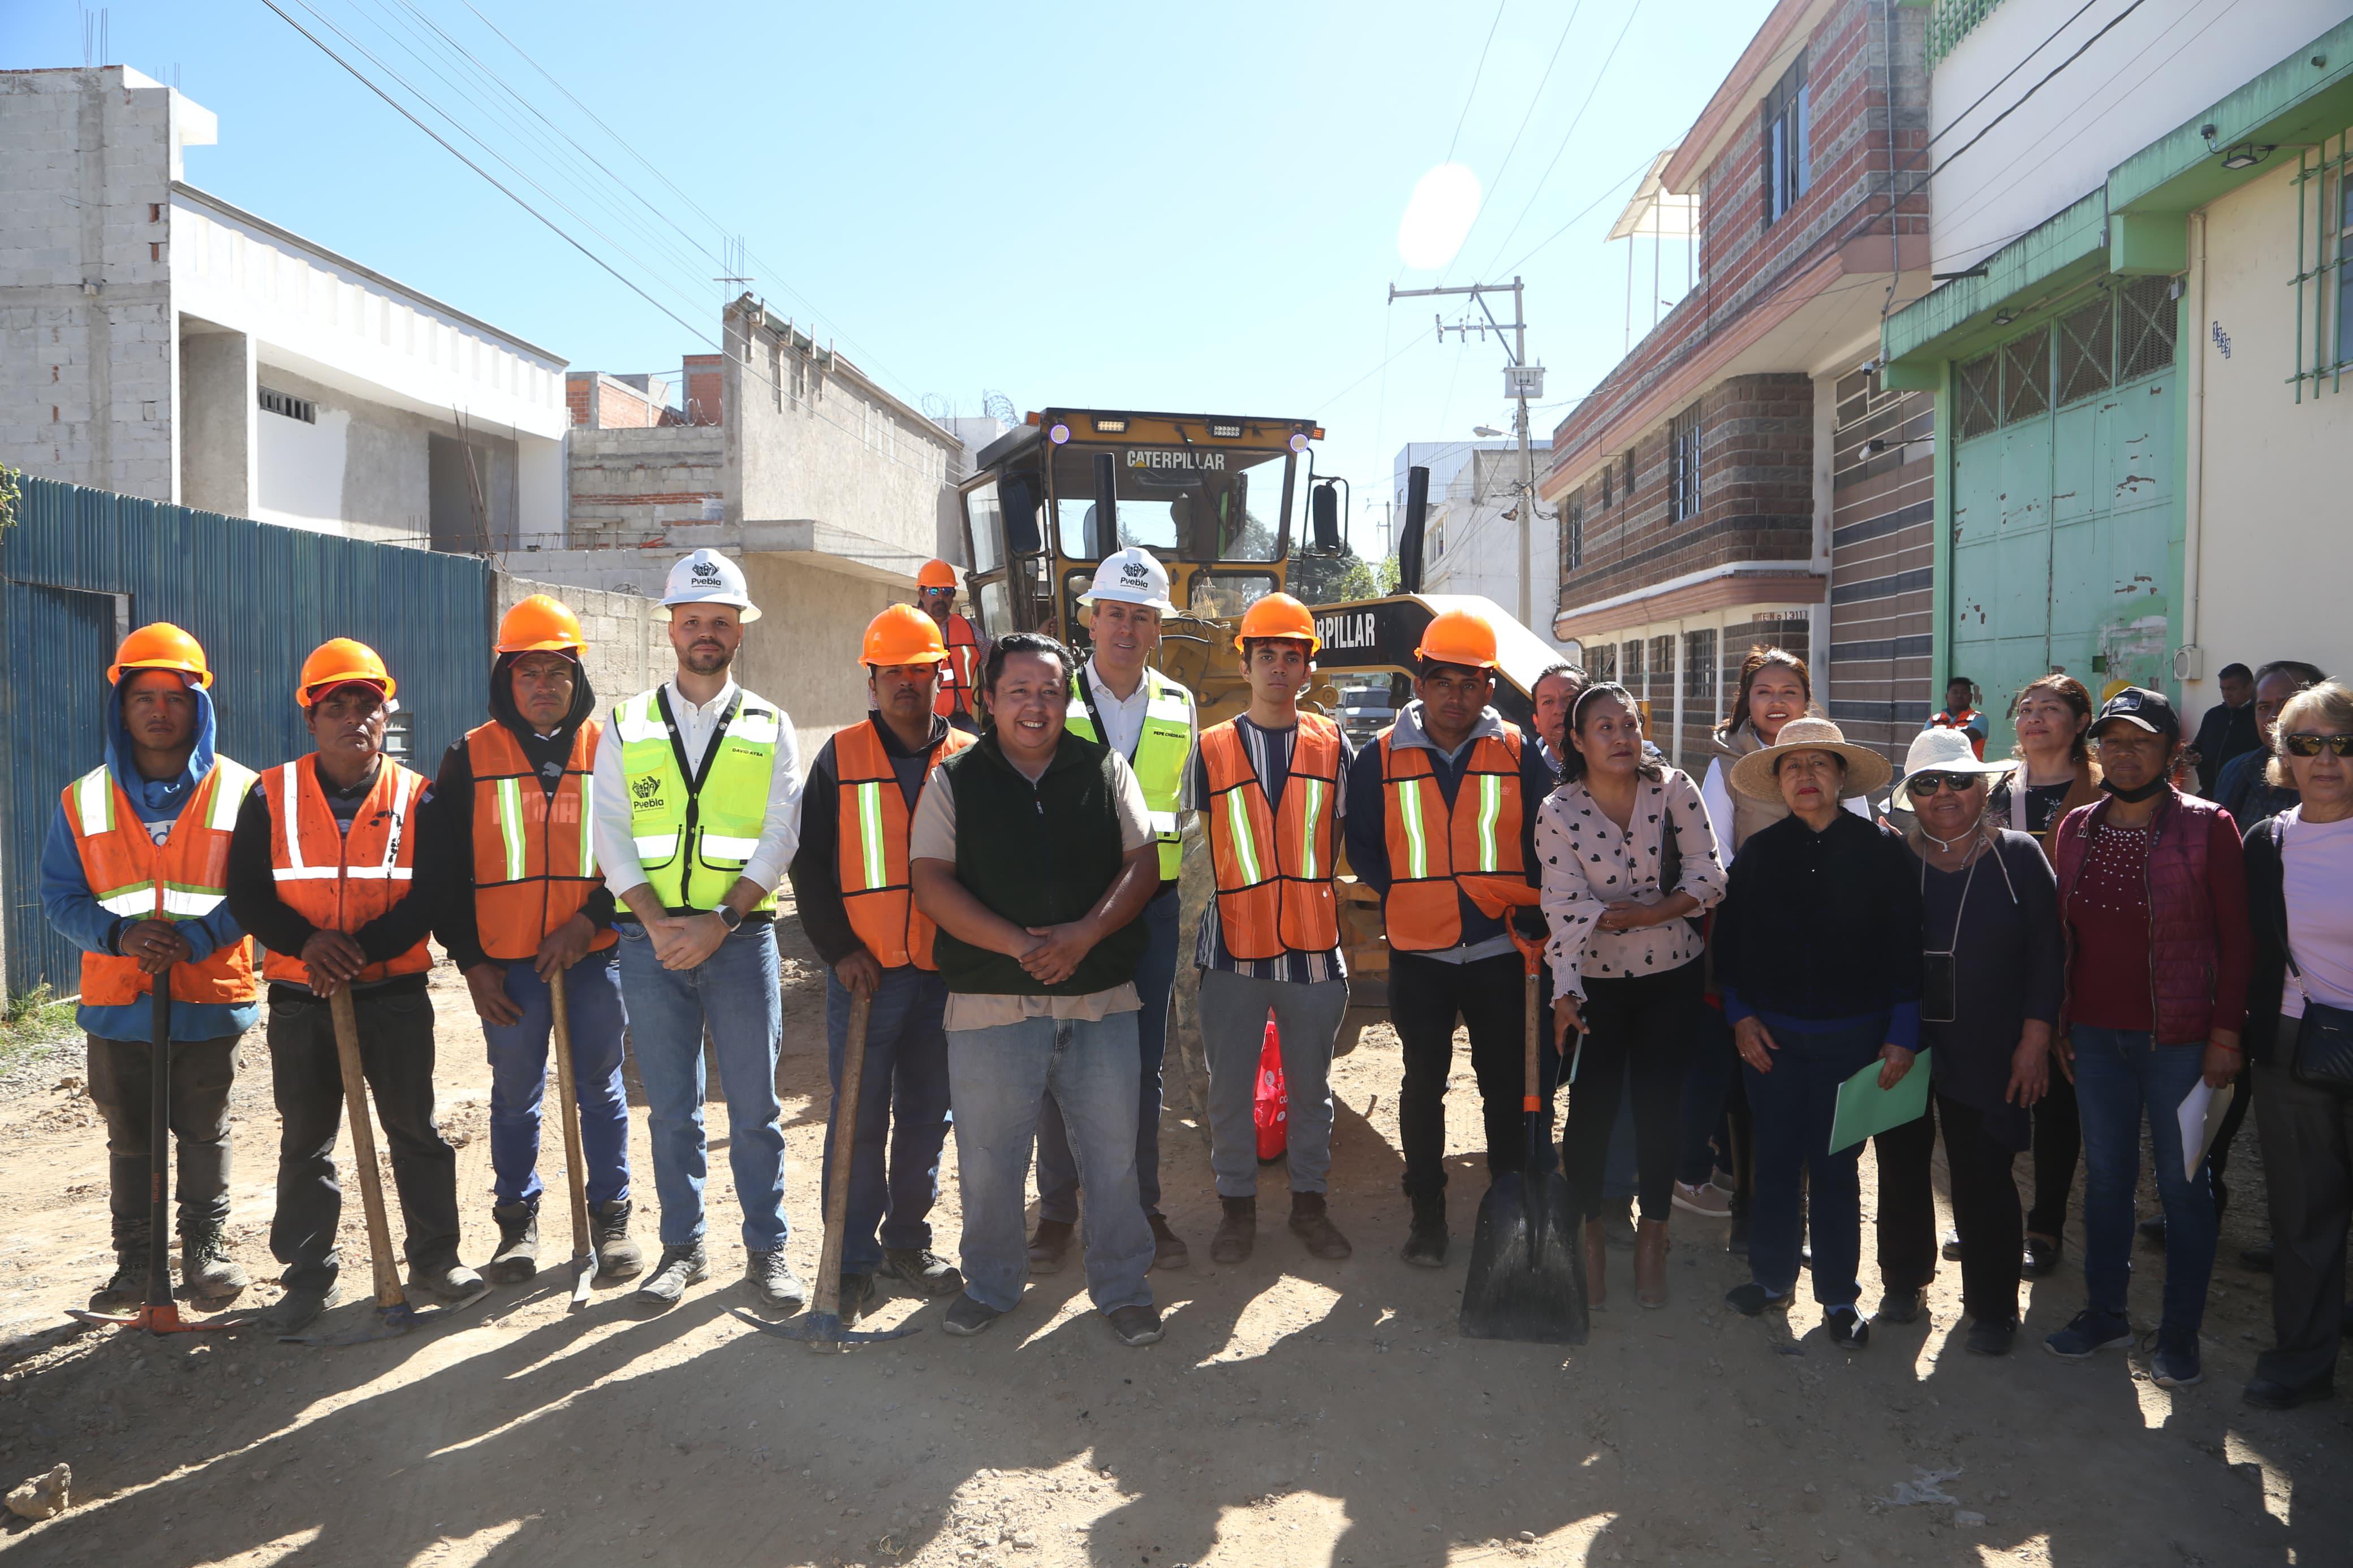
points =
(74, 913)
(445, 852)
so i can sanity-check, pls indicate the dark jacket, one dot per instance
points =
(1038, 854)
(2261, 1037)
(816, 870)
(2222, 734)
(1822, 926)
(2009, 967)
(444, 845)
(2199, 945)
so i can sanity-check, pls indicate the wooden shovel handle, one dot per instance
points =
(576, 1173)
(845, 1149)
(388, 1292)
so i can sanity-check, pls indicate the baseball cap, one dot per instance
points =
(2138, 705)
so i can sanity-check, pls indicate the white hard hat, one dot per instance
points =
(707, 577)
(1133, 577)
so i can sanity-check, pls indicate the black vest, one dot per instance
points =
(1039, 855)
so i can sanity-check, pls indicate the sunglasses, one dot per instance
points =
(2304, 743)
(936, 593)
(1933, 784)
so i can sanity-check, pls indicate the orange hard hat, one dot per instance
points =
(339, 662)
(903, 635)
(1279, 615)
(159, 646)
(541, 625)
(936, 574)
(1459, 636)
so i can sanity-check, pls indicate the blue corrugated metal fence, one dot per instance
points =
(80, 565)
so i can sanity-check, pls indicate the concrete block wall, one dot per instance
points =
(629, 651)
(629, 487)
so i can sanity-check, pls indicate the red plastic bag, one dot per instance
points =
(1272, 1107)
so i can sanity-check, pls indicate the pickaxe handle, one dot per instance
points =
(845, 1149)
(575, 1175)
(388, 1292)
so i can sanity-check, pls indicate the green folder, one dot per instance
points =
(1865, 1108)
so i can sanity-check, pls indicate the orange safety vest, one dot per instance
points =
(960, 674)
(1961, 721)
(1433, 849)
(870, 859)
(340, 881)
(183, 879)
(1273, 864)
(534, 865)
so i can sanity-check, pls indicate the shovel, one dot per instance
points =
(161, 1315)
(1527, 1279)
(576, 1176)
(394, 1316)
(821, 1330)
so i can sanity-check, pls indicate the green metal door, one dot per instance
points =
(2066, 534)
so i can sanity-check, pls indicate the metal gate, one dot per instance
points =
(2066, 542)
(82, 565)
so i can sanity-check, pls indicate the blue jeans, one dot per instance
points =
(1707, 1094)
(734, 994)
(1155, 982)
(519, 1076)
(1794, 1105)
(999, 1079)
(903, 1100)
(2118, 1075)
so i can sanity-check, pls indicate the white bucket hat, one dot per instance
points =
(1133, 577)
(1941, 752)
(707, 577)
(1866, 769)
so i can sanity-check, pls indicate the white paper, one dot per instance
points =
(2201, 1118)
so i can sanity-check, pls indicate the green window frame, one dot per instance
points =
(2323, 283)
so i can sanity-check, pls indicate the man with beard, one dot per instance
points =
(697, 801)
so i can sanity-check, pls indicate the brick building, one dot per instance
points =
(1737, 479)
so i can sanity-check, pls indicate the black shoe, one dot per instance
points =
(1987, 1338)
(206, 1271)
(517, 1258)
(2265, 1394)
(1752, 1299)
(1168, 1248)
(1237, 1232)
(966, 1316)
(679, 1267)
(1951, 1249)
(2041, 1259)
(1846, 1328)
(446, 1277)
(857, 1294)
(1311, 1222)
(773, 1280)
(618, 1258)
(2258, 1259)
(926, 1270)
(298, 1309)
(1425, 1245)
(1048, 1243)
(1137, 1325)
(1900, 1307)
(2152, 1230)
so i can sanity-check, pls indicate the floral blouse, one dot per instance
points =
(1590, 863)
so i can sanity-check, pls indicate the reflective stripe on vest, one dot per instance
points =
(340, 879)
(185, 878)
(1432, 847)
(1163, 750)
(693, 842)
(873, 823)
(533, 848)
(1271, 861)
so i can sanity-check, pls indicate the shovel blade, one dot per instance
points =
(1527, 1279)
(823, 1331)
(583, 1275)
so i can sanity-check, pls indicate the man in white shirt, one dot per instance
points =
(697, 795)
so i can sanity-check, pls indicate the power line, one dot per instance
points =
(1472, 96)
(1575, 121)
(1534, 99)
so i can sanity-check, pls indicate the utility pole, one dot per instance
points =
(1521, 381)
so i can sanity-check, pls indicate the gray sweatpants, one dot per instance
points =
(1233, 1030)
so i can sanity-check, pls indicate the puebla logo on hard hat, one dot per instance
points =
(706, 569)
(1134, 569)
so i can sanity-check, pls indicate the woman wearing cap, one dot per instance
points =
(1628, 861)
(2298, 865)
(2153, 901)
(1817, 952)
(1990, 978)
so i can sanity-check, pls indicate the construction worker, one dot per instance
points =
(1961, 712)
(1268, 783)
(320, 873)
(697, 803)
(1035, 855)
(1446, 796)
(134, 873)
(1119, 700)
(935, 587)
(851, 884)
(519, 901)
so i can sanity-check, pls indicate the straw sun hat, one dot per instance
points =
(1866, 769)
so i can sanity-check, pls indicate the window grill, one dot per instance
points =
(1662, 671)
(2146, 326)
(1788, 164)
(1601, 661)
(1699, 673)
(1977, 388)
(2087, 349)
(1630, 665)
(2026, 376)
(1950, 21)
(1572, 534)
(1682, 469)
(293, 407)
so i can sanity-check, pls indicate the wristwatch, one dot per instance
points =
(729, 916)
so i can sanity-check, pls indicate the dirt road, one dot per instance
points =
(1297, 1413)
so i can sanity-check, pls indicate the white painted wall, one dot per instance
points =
(303, 469)
(2165, 62)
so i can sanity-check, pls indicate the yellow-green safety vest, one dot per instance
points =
(695, 842)
(1163, 752)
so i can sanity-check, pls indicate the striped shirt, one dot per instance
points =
(1269, 755)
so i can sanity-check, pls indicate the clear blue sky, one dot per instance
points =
(1191, 207)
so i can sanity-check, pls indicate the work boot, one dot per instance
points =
(298, 1309)
(517, 1258)
(127, 1288)
(1047, 1245)
(446, 1278)
(618, 1258)
(1237, 1231)
(1168, 1248)
(1425, 1245)
(1650, 1262)
(1311, 1225)
(920, 1267)
(679, 1267)
(773, 1280)
(207, 1272)
(857, 1295)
